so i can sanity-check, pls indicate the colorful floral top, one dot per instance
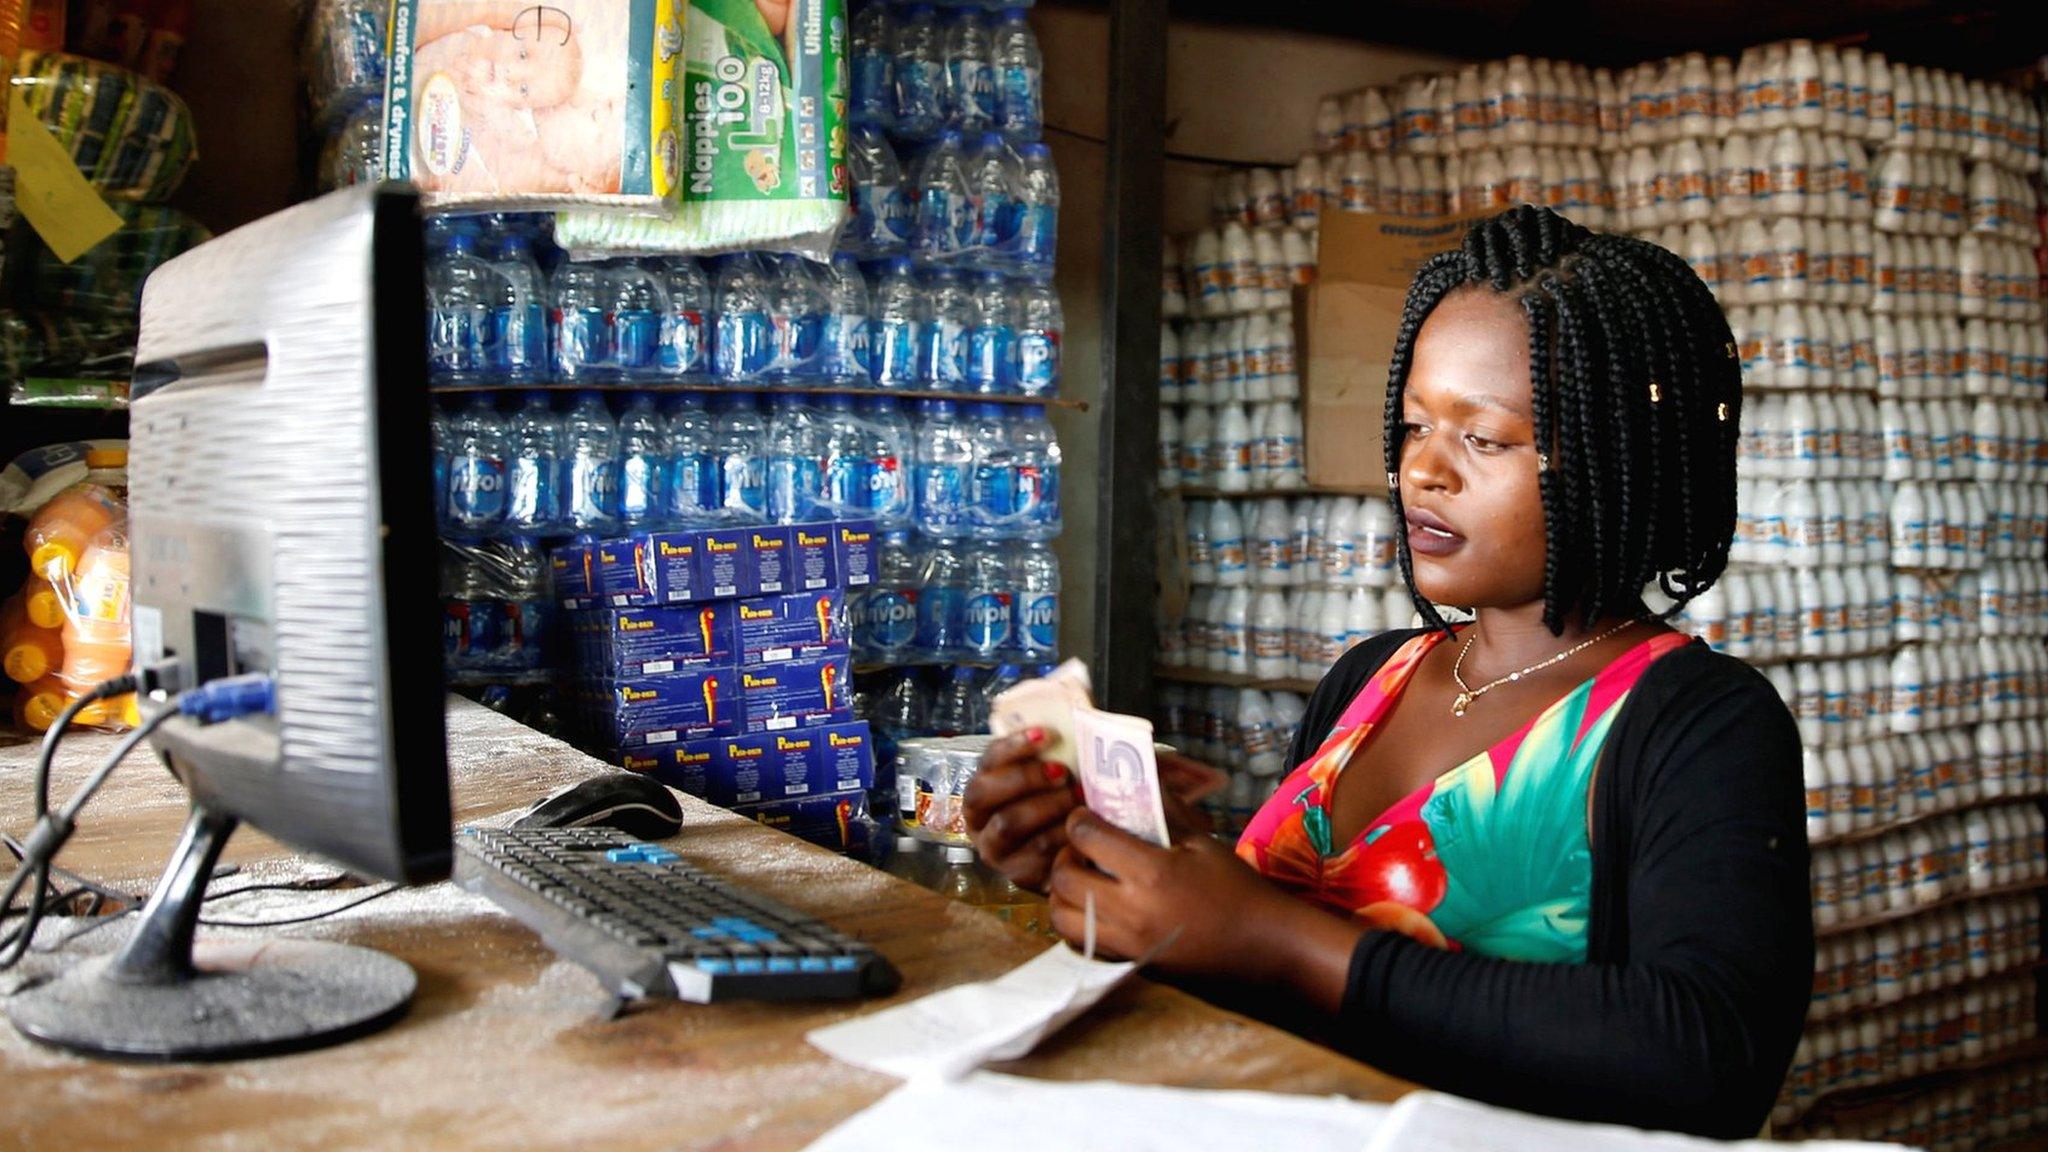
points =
(1490, 857)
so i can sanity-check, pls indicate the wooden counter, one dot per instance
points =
(505, 1048)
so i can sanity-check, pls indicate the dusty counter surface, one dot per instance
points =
(506, 1047)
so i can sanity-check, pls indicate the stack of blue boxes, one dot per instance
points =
(718, 662)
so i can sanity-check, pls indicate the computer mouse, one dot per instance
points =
(632, 803)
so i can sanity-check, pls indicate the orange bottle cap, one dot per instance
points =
(25, 662)
(63, 558)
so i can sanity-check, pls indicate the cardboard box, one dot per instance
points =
(858, 541)
(726, 568)
(574, 568)
(775, 629)
(839, 822)
(799, 694)
(637, 642)
(814, 557)
(654, 710)
(771, 551)
(763, 768)
(1352, 314)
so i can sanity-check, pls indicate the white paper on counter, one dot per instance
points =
(954, 1031)
(1435, 1122)
(996, 1113)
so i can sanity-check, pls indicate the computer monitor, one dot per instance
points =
(281, 521)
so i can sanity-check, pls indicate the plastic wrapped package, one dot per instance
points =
(353, 152)
(931, 781)
(108, 277)
(130, 136)
(67, 629)
(342, 57)
(508, 104)
(67, 359)
(762, 111)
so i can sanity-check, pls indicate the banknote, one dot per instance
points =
(1049, 702)
(1120, 773)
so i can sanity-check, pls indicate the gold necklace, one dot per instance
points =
(1468, 693)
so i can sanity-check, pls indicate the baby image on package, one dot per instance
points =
(507, 103)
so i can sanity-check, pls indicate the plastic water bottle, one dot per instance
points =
(743, 339)
(896, 339)
(685, 332)
(1036, 239)
(871, 45)
(942, 602)
(1000, 496)
(590, 468)
(1038, 473)
(843, 335)
(577, 325)
(438, 432)
(796, 309)
(993, 179)
(919, 73)
(970, 77)
(692, 499)
(643, 453)
(638, 307)
(889, 448)
(528, 606)
(1020, 78)
(943, 458)
(842, 444)
(740, 450)
(1036, 602)
(953, 713)
(945, 224)
(533, 465)
(1040, 324)
(462, 292)
(796, 479)
(992, 342)
(990, 600)
(944, 363)
(885, 614)
(476, 469)
(519, 311)
(882, 208)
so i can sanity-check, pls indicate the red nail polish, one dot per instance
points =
(1055, 772)
(1035, 735)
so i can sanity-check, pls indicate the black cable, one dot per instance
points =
(306, 919)
(118, 686)
(316, 884)
(15, 946)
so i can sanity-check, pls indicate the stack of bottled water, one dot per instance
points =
(495, 607)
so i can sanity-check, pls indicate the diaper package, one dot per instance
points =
(130, 136)
(762, 114)
(508, 104)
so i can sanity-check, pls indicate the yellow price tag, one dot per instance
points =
(52, 194)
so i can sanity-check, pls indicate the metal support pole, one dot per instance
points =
(1127, 499)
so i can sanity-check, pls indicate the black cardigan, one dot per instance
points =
(1699, 957)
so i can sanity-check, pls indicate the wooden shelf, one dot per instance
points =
(763, 389)
(1867, 834)
(1878, 1098)
(1929, 994)
(1893, 915)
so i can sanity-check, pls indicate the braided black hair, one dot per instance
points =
(1636, 396)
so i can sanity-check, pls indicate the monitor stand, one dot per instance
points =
(161, 997)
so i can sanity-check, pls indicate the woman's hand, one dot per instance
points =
(1016, 808)
(1212, 912)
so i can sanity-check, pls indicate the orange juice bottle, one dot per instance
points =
(40, 600)
(26, 652)
(40, 702)
(61, 530)
(96, 640)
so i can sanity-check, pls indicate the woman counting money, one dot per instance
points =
(1554, 859)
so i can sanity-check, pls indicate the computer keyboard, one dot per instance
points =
(650, 925)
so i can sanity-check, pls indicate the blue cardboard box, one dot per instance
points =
(763, 767)
(855, 552)
(814, 557)
(574, 570)
(664, 709)
(774, 629)
(635, 642)
(689, 766)
(797, 694)
(838, 821)
(621, 581)
(771, 550)
(671, 563)
(725, 564)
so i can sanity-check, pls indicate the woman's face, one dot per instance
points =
(1469, 466)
